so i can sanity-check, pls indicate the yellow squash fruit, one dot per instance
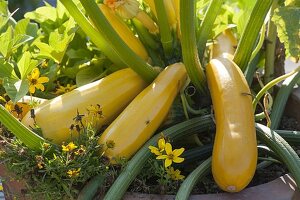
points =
(141, 118)
(234, 155)
(224, 43)
(124, 32)
(110, 95)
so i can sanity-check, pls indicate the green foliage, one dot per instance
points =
(287, 21)
(59, 174)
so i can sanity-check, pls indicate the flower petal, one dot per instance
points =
(161, 157)
(161, 144)
(31, 89)
(178, 152)
(40, 86)
(168, 148)
(43, 79)
(168, 162)
(154, 150)
(178, 160)
(35, 74)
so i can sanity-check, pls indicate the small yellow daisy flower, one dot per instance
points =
(73, 173)
(64, 89)
(174, 174)
(171, 156)
(35, 81)
(70, 147)
(161, 147)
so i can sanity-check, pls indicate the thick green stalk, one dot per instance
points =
(265, 89)
(250, 33)
(130, 58)
(270, 46)
(28, 137)
(164, 28)
(207, 25)
(137, 162)
(281, 148)
(186, 187)
(188, 44)
(281, 99)
(92, 33)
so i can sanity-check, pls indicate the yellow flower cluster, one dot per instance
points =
(164, 152)
(73, 173)
(70, 147)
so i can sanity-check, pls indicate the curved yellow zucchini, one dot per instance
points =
(235, 148)
(141, 118)
(225, 43)
(112, 93)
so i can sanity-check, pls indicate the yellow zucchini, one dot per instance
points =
(112, 93)
(141, 118)
(235, 148)
(224, 43)
(124, 32)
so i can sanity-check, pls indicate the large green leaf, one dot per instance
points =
(287, 20)
(26, 64)
(15, 89)
(6, 41)
(7, 70)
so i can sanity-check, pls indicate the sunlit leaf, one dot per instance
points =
(7, 70)
(287, 21)
(6, 41)
(26, 64)
(15, 89)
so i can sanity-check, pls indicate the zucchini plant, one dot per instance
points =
(126, 63)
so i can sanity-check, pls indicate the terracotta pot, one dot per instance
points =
(13, 188)
(282, 188)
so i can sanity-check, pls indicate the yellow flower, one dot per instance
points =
(71, 146)
(95, 110)
(73, 173)
(35, 81)
(125, 8)
(80, 151)
(9, 106)
(40, 165)
(174, 174)
(62, 90)
(161, 147)
(172, 156)
(1, 188)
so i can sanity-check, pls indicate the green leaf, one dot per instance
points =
(47, 51)
(7, 70)
(42, 14)
(89, 74)
(26, 64)
(6, 42)
(21, 27)
(4, 16)
(15, 89)
(287, 21)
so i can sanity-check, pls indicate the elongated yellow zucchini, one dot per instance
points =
(225, 43)
(235, 148)
(112, 94)
(141, 118)
(124, 32)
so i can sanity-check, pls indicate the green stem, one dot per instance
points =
(249, 72)
(92, 33)
(281, 99)
(270, 85)
(137, 162)
(260, 42)
(28, 137)
(207, 24)
(199, 173)
(270, 46)
(125, 53)
(247, 42)
(189, 47)
(164, 28)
